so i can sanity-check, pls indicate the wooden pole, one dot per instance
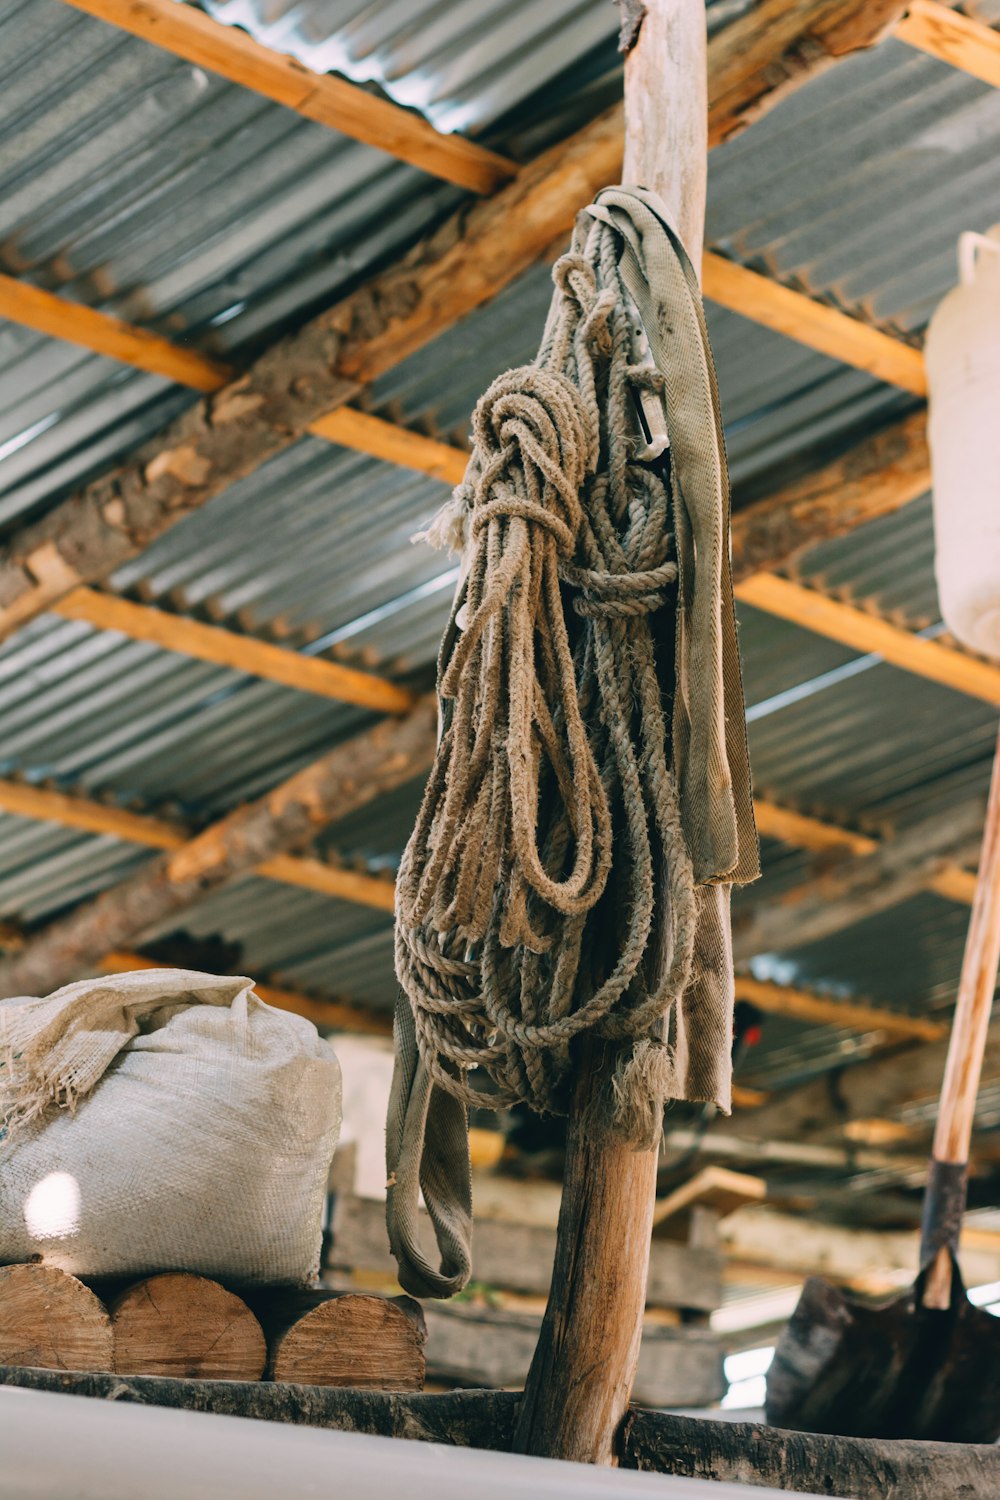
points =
(578, 1388)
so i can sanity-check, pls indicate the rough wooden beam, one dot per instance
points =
(335, 102)
(820, 1010)
(333, 1015)
(775, 46)
(873, 478)
(363, 431)
(867, 632)
(809, 321)
(48, 806)
(960, 40)
(228, 648)
(231, 432)
(858, 887)
(345, 779)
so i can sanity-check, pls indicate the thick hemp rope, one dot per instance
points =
(548, 887)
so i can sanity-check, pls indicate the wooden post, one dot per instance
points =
(578, 1388)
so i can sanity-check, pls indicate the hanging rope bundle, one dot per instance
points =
(549, 886)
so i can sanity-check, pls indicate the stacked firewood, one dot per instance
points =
(179, 1324)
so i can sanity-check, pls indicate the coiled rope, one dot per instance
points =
(548, 887)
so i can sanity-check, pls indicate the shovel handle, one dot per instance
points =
(945, 1196)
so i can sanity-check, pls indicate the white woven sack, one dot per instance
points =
(165, 1120)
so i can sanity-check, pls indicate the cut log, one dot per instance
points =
(186, 1326)
(50, 1320)
(343, 1338)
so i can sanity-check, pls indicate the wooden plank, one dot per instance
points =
(716, 1189)
(33, 307)
(396, 444)
(960, 40)
(348, 777)
(875, 477)
(492, 1348)
(227, 648)
(802, 831)
(819, 1010)
(866, 632)
(332, 1015)
(808, 321)
(107, 821)
(518, 1257)
(334, 102)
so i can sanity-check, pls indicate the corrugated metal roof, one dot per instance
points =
(136, 183)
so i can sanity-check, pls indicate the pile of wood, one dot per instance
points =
(487, 1337)
(186, 1326)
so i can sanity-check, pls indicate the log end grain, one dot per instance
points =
(186, 1326)
(51, 1321)
(368, 1343)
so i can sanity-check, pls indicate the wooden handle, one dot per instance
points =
(953, 1133)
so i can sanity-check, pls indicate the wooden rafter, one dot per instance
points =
(189, 33)
(802, 831)
(462, 265)
(822, 327)
(867, 632)
(959, 40)
(338, 1015)
(346, 778)
(821, 1010)
(46, 805)
(230, 648)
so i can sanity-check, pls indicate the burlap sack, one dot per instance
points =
(164, 1120)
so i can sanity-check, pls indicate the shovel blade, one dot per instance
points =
(898, 1370)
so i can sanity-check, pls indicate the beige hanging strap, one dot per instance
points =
(711, 755)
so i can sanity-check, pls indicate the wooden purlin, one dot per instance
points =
(335, 102)
(866, 632)
(233, 649)
(104, 820)
(345, 779)
(820, 1010)
(945, 33)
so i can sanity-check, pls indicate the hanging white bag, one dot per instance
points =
(164, 1120)
(962, 353)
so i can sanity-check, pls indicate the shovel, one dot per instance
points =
(926, 1365)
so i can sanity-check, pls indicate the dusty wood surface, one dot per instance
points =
(518, 1257)
(777, 45)
(343, 1339)
(479, 1346)
(855, 1468)
(852, 1468)
(188, 1327)
(476, 1419)
(49, 1319)
(875, 477)
(346, 778)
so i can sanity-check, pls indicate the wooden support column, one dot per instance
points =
(577, 1392)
